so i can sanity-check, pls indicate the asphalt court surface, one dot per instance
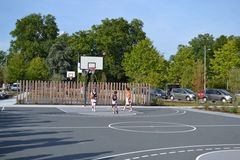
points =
(147, 133)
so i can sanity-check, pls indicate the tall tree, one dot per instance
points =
(226, 59)
(34, 35)
(145, 64)
(37, 70)
(3, 57)
(112, 37)
(198, 43)
(219, 42)
(59, 59)
(234, 80)
(16, 68)
(181, 67)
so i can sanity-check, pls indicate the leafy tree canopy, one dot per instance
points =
(198, 43)
(59, 59)
(181, 67)
(3, 57)
(16, 68)
(34, 35)
(37, 70)
(225, 59)
(145, 64)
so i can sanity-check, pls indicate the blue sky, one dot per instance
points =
(167, 23)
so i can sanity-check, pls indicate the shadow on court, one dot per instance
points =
(82, 156)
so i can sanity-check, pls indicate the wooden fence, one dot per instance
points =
(68, 92)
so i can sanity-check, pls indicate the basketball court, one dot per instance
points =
(148, 133)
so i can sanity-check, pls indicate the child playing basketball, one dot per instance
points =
(93, 97)
(128, 99)
(114, 102)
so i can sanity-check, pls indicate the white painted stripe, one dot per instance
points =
(214, 152)
(118, 126)
(200, 149)
(122, 127)
(224, 125)
(152, 155)
(145, 156)
(190, 150)
(172, 152)
(217, 148)
(208, 149)
(226, 148)
(182, 151)
(163, 153)
(161, 149)
(135, 157)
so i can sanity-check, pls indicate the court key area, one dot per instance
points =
(147, 133)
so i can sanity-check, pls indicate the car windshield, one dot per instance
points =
(159, 91)
(225, 92)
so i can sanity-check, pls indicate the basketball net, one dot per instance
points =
(92, 70)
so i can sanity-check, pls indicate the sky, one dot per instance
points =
(168, 23)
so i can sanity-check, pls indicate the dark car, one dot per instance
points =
(217, 95)
(158, 93)
(3, 94)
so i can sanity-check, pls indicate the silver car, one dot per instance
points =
(182, 94)
(217, 95)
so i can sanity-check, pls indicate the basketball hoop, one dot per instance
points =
(70, 74)
(92, 70)
(91, 67)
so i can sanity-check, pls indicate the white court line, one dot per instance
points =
(119, 126)
(161, 149)
(151, 126)
(213, 152)
(224, 125)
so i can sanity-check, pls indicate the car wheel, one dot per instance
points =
(224, 100)
(172, 98)
(188, 98)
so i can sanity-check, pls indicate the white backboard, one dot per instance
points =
(91, 61)
(70, 74)
(79, 68)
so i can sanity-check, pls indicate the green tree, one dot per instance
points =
(3, 57)
(198, 43)
(34, 35)
(112, 37)
(219, 42)
(225, 59)
(181, 67)
(198, 75)
(37, 70)
(16, 68)
(59, 59)
(234, 80)
(145, 64)
(3, 60)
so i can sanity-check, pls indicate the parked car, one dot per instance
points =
(217, 95)
(182, 94)
(158, 93)
(15, 86)
(3, 94)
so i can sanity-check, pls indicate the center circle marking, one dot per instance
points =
(152, 127)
